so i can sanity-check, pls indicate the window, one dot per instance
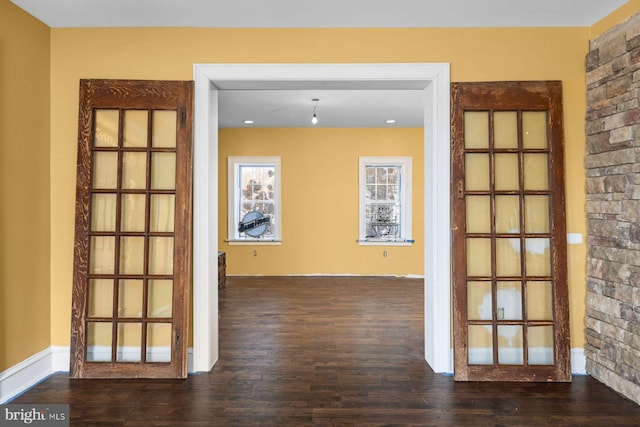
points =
(254, 199)
(385, 200)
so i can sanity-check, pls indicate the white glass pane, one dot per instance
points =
(505, 129)
(479, 257)
(540, 339)
(102, 255)
(538, 258)
(510, 341)
(130, 298)
(159, 342)
(129, 342)
(161, 255)
(508, 257)
(479, 304)
(163, 171)
(160, 298)
(509, 300)
(534, 129)
(99, 341)
(134, 170)
(105, 170)
(476, 129)
(106, 128)
(162, 213)
(133, 212)
(164, 128)
(480, 345)
(131, 255)
(135, 128)
(103, 212)
(100, 298)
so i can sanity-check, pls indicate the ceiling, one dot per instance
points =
(337, 107)
(319, 14)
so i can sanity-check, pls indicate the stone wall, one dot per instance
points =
(612, 165)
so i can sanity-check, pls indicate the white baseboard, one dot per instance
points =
(21, 377)
(578, 361)
(25, 375)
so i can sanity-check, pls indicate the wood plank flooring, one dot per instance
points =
(321, 351)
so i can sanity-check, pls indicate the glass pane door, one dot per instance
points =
(510, 283)
(130, 304)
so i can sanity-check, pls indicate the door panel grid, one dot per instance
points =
(133, 228)
(509, 255)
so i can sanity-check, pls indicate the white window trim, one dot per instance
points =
(233, 199)
(405, 164)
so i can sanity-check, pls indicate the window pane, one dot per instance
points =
(510, 341)
(135, 128)
(534, 129)
(479, 304)
(159, 342)
(540, 339)
(100, 298)
(476, 129)
(99, 341)
(130, 298)
(105, 170)
(163, 133)
(103, 212)
(133, 212)
(106, 128)
(480, 345)
(129, 342)
(134, 170)
(163, 171)
(505, 129)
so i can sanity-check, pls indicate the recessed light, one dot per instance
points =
(390, 121)
(248, 122)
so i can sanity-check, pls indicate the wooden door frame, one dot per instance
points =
(434, 79)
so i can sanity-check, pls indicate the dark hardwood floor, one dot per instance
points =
(328, 351)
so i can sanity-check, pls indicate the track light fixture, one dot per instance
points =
(314, 119)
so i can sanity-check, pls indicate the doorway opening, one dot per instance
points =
(433, 79)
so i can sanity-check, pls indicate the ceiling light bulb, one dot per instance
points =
(314, 119)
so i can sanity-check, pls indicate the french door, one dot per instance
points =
(133, 230)
(509, 235)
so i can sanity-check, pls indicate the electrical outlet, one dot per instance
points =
(255, 253)
(384, 253)
(500, 313)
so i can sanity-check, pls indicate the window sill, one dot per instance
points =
(245, 242)
(370, 242)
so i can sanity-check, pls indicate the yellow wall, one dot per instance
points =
(625, 11)
(474, 54)
(320, 201)
(24, 186)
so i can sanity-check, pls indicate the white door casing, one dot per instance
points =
(434, 79)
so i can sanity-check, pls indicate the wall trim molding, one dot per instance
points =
(578, 361)
(34, 369)
(434, 78)
(25, 375)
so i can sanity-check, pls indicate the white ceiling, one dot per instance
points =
(291, 106)
(319, 13)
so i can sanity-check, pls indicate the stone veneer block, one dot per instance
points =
(612, 163)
